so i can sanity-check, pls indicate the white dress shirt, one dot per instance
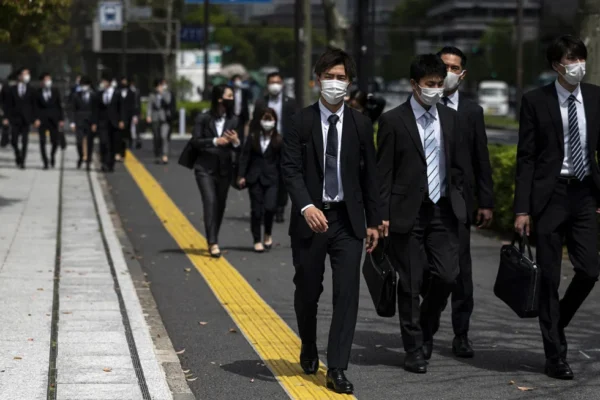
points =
(22, 89)
(237, 99)
(563, 101)
(419, 112)
(276, 103)
(264, 143)
(453, 100)
(47, 94)
(220, 125)
(108, 94)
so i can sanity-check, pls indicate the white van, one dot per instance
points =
(493, 97)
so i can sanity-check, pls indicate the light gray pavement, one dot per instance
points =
(102, 348)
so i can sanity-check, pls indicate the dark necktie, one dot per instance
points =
(445, 100)
(577, 159)
(21, 90)
(331, 179)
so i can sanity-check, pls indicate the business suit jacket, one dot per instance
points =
(129, 104)
(211, 159)
(288, 109)
(111, 113)
(156, 109)
(82, 111)
(540, 151)
(402, 169)
(479, 186)
(303, 170)
(21, 110)
(49, 112)
(256, 166)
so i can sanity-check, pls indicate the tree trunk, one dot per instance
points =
(307, 56)
(168, 58)
(589, 14)
(336, 25)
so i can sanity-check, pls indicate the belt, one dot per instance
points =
(333, 206)
(572, 180)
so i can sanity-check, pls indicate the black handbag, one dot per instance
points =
(188, 156)
(4, 136)
(381, 278)
(518, 280)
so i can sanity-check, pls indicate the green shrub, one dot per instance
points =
(503, 160)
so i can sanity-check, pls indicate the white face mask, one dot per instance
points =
(237, 83)
(26, 78)
(333, 91)
(574, 73)
(102, 86)
(48, 84)
(274, 88)
(267, 125)
(452, 81)
(113, 84)
(430, 96)
(85, 88)
(165, 87)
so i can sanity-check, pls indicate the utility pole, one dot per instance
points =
(361, 40)
(303, 51)
(205, 44)
(519, 93)
(124, 39)
(589, 15)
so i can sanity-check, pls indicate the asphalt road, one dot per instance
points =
(508, 350)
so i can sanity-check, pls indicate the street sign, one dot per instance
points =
(110, 15)
(229, 1)
(191, 34)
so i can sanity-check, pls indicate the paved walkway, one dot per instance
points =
(72, 326)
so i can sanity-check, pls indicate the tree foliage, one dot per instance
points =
(34, 23)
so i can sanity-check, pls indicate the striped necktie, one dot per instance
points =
(577, 157)
(432, 158)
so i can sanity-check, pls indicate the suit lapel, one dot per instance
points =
(317, 133)
(554, 110)
(446, 127)
(347, 134)
(408, 117)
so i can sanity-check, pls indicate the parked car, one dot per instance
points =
(493, 96)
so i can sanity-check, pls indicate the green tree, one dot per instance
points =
(34, 24)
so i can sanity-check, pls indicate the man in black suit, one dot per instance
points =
(108, 118)
(421, 177)
(20, 109)
(328, 166)
(557, 187)
(285, 107)
(241, 97)
(83, 102)
(49, 111)
(128, 98)
(478, 183)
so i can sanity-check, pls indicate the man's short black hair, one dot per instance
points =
(456, 52)
(43, 75)
(566, 45)
(234, 77)
(158, 81)
(21, 70)
(273, 75)
(85, 80)
(333, 57)
(427, 65)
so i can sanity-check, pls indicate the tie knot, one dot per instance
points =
(572, 98)
(445, 99)
(428, 118)
(333, 119)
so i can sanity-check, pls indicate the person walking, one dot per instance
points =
(328, 166)
(157, 116)
(49, 112)
(259, 170)
(108, 119)
(83, 103)
(558, 190)
(128, 99)
(214, 140)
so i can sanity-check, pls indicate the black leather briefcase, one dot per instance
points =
(518, 280)
(381, 280)
(188, 156)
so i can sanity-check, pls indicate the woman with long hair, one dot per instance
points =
(259, 170)
(214, 138)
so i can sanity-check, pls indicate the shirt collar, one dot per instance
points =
(325, 113)
(563, 94)
(453, 98)
(419, 111)
(276, 99)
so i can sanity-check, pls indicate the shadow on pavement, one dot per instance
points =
(253, 369)
(6, 202)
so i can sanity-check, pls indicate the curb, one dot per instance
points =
(163, 347)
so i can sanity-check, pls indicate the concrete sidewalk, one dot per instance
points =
(72, 326)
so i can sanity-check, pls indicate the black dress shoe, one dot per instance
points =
(88, 167)
(79, 162)
(337, 381)
(427, 349)
(52, 162)
(461, 347)
(415, 362)
(309, 358)
(563, 343)
(558, 369)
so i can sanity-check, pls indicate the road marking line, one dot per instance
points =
(274, 341)
(585, 355)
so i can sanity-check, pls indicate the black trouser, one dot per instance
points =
(160, 138)
(124, 140)
(263, 203)
(83, 131)
(4, 135)
(308, 255)
(571, 215)
(54, 136)
(282, 196)
(213, 190)
(20, 130)
(426, 260)
(462, 295)
(109, 143)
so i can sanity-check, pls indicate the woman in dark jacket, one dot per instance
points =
(214, 138)
(259, 169)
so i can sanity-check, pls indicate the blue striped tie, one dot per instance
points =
(432, 157)
(577, 159)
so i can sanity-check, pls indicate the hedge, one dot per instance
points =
(503, 160)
